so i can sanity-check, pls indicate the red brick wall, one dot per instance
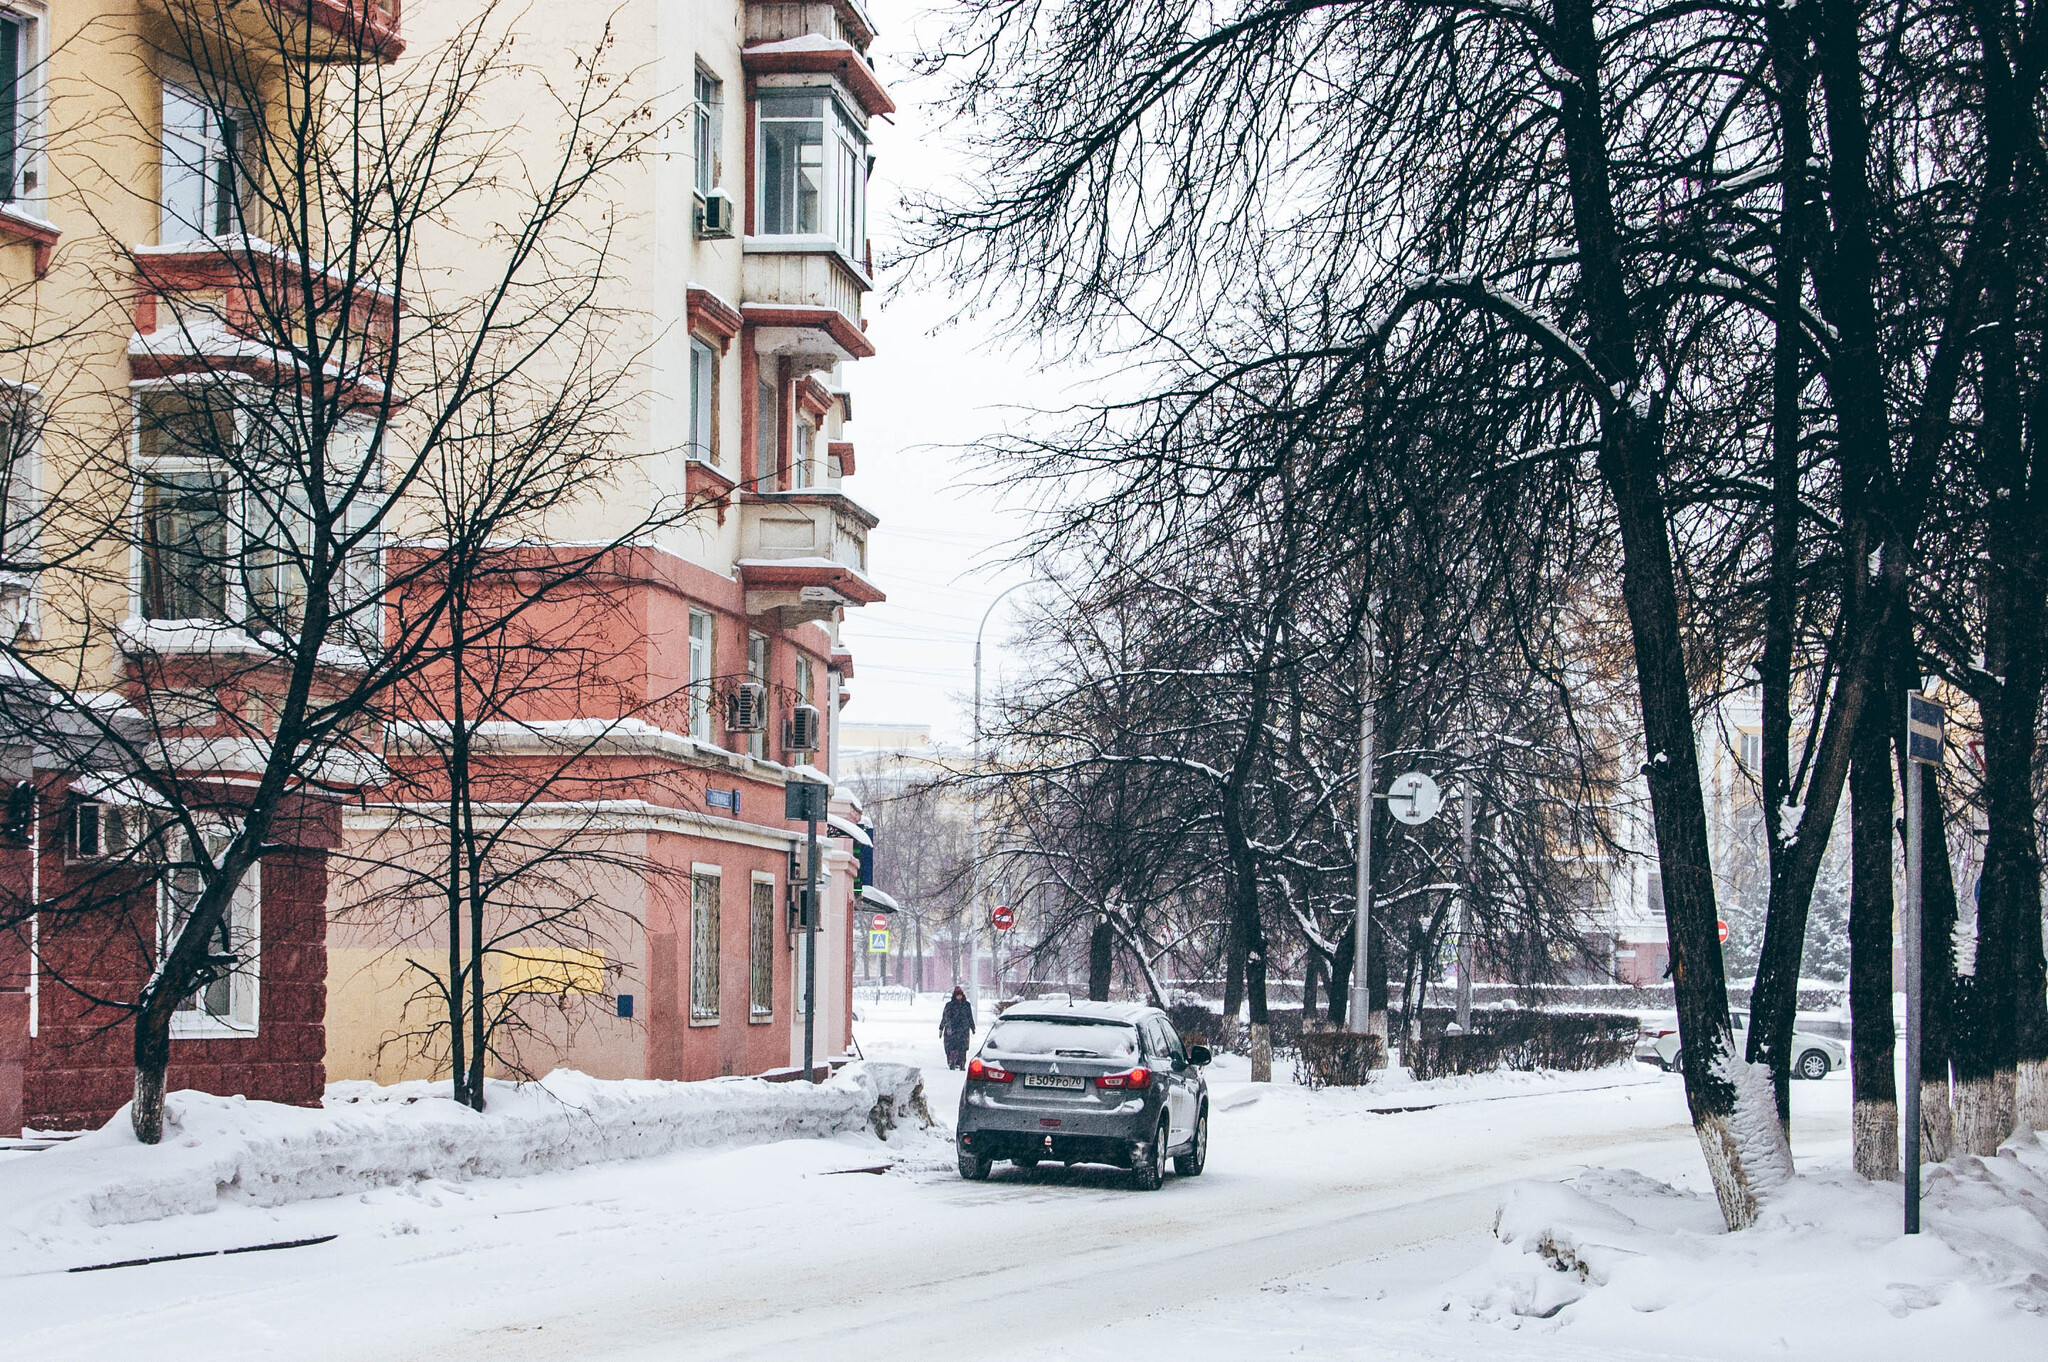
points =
(79, 1068)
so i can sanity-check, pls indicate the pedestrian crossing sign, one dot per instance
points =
(878, 943)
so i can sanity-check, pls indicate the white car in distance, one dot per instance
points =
(1813, 1056)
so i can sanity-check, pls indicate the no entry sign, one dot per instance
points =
(1003, 918)
(1723, 928)
(879, 922)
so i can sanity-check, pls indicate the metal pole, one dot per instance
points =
(1361, 985)
(974, 878)
(1465, 951)
(813, 910)
(1909, 934)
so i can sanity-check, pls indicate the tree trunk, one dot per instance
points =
(1311, 965)
(1340, 979)
(1233, 973)
(1745, 1153)
(152, 1062)
(1101, 960)
(1937, 974)
(1873, 1086)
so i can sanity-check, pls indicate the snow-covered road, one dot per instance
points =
(777, 1251)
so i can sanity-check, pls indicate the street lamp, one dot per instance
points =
(974, 887)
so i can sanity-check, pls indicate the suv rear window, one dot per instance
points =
(1080, 1038)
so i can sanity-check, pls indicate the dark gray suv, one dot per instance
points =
(1081, 1082)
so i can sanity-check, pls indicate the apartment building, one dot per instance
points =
(740, 262)
(120, 202)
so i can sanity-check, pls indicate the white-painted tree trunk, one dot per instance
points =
(2030, 1095)
(1984, 1113)
(1937, 1122)
(1874, 1140)
(1262, 1053)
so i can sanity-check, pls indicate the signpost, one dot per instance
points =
(1925, 721)
(808, 799)
(1003, 918)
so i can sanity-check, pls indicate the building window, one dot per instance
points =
(1751, 752)
(813, 173)
(184, 545)
(20, 71)
(20, 502)
(704, 947)
(767, 434)
(701, 659)
(225, 548)
(1653, 893)
(761, 950)
(206, 184)
(805, 680)
(708, 129)
(757, 670)
(703, 401)
(800, 455)
(228, 1000)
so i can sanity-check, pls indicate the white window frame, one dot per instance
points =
(245, 937)
(800, 454)
(843, 173)
(703, 661)
(234, 604)
(362, 578)
(215, 156)
(25, 193)
(707, 131)
(703, 401)
(22, 519)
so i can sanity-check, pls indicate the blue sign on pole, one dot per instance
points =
(1924, 723)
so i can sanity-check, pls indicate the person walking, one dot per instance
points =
(956, 1028)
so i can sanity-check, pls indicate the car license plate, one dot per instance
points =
(1053, 1081)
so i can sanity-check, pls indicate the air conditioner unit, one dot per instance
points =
(715, 214)
(746, 708)
(804, 729)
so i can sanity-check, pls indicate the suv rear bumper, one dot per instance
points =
(1015, 1144)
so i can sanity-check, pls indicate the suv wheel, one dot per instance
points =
(1813, 1064)
(1190, 1164)
(973, 1166)
(1148, 1168)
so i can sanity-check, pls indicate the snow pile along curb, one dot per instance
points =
(219, 1149)
(1624, 1260)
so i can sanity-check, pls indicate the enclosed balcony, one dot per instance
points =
(341, 30)
(804, 554)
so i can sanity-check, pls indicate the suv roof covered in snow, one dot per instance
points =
(1081, 1007)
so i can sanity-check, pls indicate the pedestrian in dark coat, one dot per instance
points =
(956, 1028)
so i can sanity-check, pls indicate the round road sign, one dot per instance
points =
(1414, 798)
(1004, 918)
(880, 922)
(1722, 924)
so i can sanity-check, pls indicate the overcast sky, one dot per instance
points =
(929, 388)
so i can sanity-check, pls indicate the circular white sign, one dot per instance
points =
(1414, 798)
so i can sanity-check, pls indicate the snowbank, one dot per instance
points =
(1619, 1259)
(228, 1149)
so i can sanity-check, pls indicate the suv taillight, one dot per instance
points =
(987, 1073)
(1136, 1078)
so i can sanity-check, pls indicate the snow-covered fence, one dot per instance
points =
(230, 1149)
